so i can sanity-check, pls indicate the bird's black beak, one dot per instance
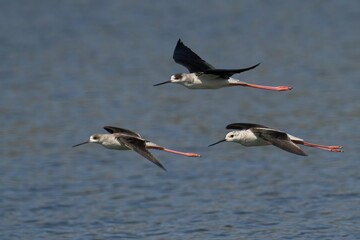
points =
(162, 83)
(224, 140)
(81, 144)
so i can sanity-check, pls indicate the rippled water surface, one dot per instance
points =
(68, 68)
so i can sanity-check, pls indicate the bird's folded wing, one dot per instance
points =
(226, 73)
(138, 145)
(278, 139)
(187, 58)
(121, 130)
(242, 126)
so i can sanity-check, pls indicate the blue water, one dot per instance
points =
(68, 68)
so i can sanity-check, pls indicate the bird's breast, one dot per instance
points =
(249, 139)
(206, 81)
(115, 145)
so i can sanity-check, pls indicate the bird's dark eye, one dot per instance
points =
(231, 135)
(95, 137)
(177, 76)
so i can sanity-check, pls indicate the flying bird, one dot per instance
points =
(250, 134)
(123, 139)
(204, 76)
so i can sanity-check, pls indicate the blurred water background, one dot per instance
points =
(68, 68)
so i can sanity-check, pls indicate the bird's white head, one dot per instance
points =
(178, 78)
(233, 136)
(95, 138)
(181, 78)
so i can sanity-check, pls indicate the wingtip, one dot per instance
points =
(163, 168)
(158, 163)
(254, 66)
(109, 129)
(300, 152)
(232, 125)
(229, 126)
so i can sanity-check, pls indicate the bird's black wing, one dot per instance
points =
(278, 139)
(139, 146)
(241, 126)
(121, 130)
(226, 73)
(186, 57)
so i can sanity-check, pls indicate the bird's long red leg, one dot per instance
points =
(181, 153)
(174, 152)
(324, 147)
(271, 88)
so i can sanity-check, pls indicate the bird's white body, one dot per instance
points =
(108, 141)
(111, 142)
(249, 139)
(202, 81)
(246, 138)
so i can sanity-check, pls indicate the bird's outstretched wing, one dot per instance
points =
(278, 139)
(121, 130)
(138, 145)
(187, 58)
(242, 126)
(226, 73)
